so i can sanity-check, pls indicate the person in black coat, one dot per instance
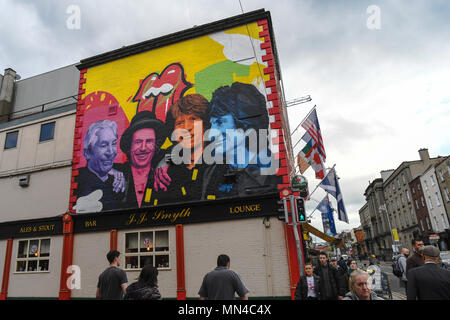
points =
(146, 288)
(430, 281)
(308, 287)
(330, 287)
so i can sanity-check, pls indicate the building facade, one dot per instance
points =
(436, 207)
(420, 207)
(82, 193)
(391, 218)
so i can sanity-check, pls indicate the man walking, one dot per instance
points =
(361, 288)
(329, 279)
(308, 287)
(341, 273)
(222, 283)
(112, 282)
(430, 281)
(402, 263)
(415, 260)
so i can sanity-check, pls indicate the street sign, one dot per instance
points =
(395, 233)
(433, 237)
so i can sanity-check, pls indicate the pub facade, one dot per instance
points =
(180, 150)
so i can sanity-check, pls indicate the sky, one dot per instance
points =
(378, 72)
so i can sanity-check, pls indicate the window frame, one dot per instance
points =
(6, 139)
(38, 258)
(53, 131)
(153, 252)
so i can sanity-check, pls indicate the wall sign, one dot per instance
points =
(205, 211)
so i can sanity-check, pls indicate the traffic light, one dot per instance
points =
(301, 210)
(280, 209)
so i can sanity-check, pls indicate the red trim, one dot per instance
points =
(113, 240)
(77, 152)
(67, 256)
(181, 283)
(6, 269)
(291, 251)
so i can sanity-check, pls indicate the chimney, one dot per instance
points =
(424, 155)
(6, 93)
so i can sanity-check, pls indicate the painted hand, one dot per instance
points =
(162, 179)
(89, 203)
(119, 180)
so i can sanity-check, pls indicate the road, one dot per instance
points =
(398, 293)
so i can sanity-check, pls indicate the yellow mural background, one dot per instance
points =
(121, 77)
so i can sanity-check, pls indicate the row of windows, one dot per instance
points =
(47, 133)
(141, 248)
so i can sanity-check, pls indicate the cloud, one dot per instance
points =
(381, 95)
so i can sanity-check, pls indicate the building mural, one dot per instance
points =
(180, 123)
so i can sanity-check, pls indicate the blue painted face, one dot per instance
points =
(223, 124)
(102, 154)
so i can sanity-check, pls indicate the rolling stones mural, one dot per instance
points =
(191, 129)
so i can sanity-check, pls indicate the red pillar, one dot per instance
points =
(292, 257)
(181, 286)
(113, 240)
(6, 270)
(67, 256)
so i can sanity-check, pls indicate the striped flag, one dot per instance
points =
(310, 154)
(311, 125)
(331, 185)
(302, 163)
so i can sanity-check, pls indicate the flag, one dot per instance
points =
(324, 207)
(302, 163)
(311, 125)
(331, 185)
(311, 155)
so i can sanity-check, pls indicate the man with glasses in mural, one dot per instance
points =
(238, 114)
(100, 186)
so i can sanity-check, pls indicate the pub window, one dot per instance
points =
(147, 247)
(11, 139)
(33, 255)
(47, 131)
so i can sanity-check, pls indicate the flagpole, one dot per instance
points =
(303, 121)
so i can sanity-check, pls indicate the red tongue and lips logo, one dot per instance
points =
(158, 92)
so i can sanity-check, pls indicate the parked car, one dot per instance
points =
(445, 259)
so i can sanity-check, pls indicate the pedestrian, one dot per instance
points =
(341, 273)
(222, 283)
(373, 260)
(361, 288)
(308, 287)
(146, 288)
(112, 282)
(402, 264)
(430, 281)
(415, 260)
(353, 265)
(329, 280)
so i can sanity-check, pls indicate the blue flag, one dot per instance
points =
(327, 217)
(331, 185)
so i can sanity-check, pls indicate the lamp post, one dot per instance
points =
(383, 208)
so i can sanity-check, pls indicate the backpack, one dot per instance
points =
(396, 269)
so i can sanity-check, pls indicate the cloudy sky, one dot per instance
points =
(381, 86)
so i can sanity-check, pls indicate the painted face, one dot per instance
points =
(143, 147)
(187, 122)
(222, 124)
(362, 287)
(101, 156)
